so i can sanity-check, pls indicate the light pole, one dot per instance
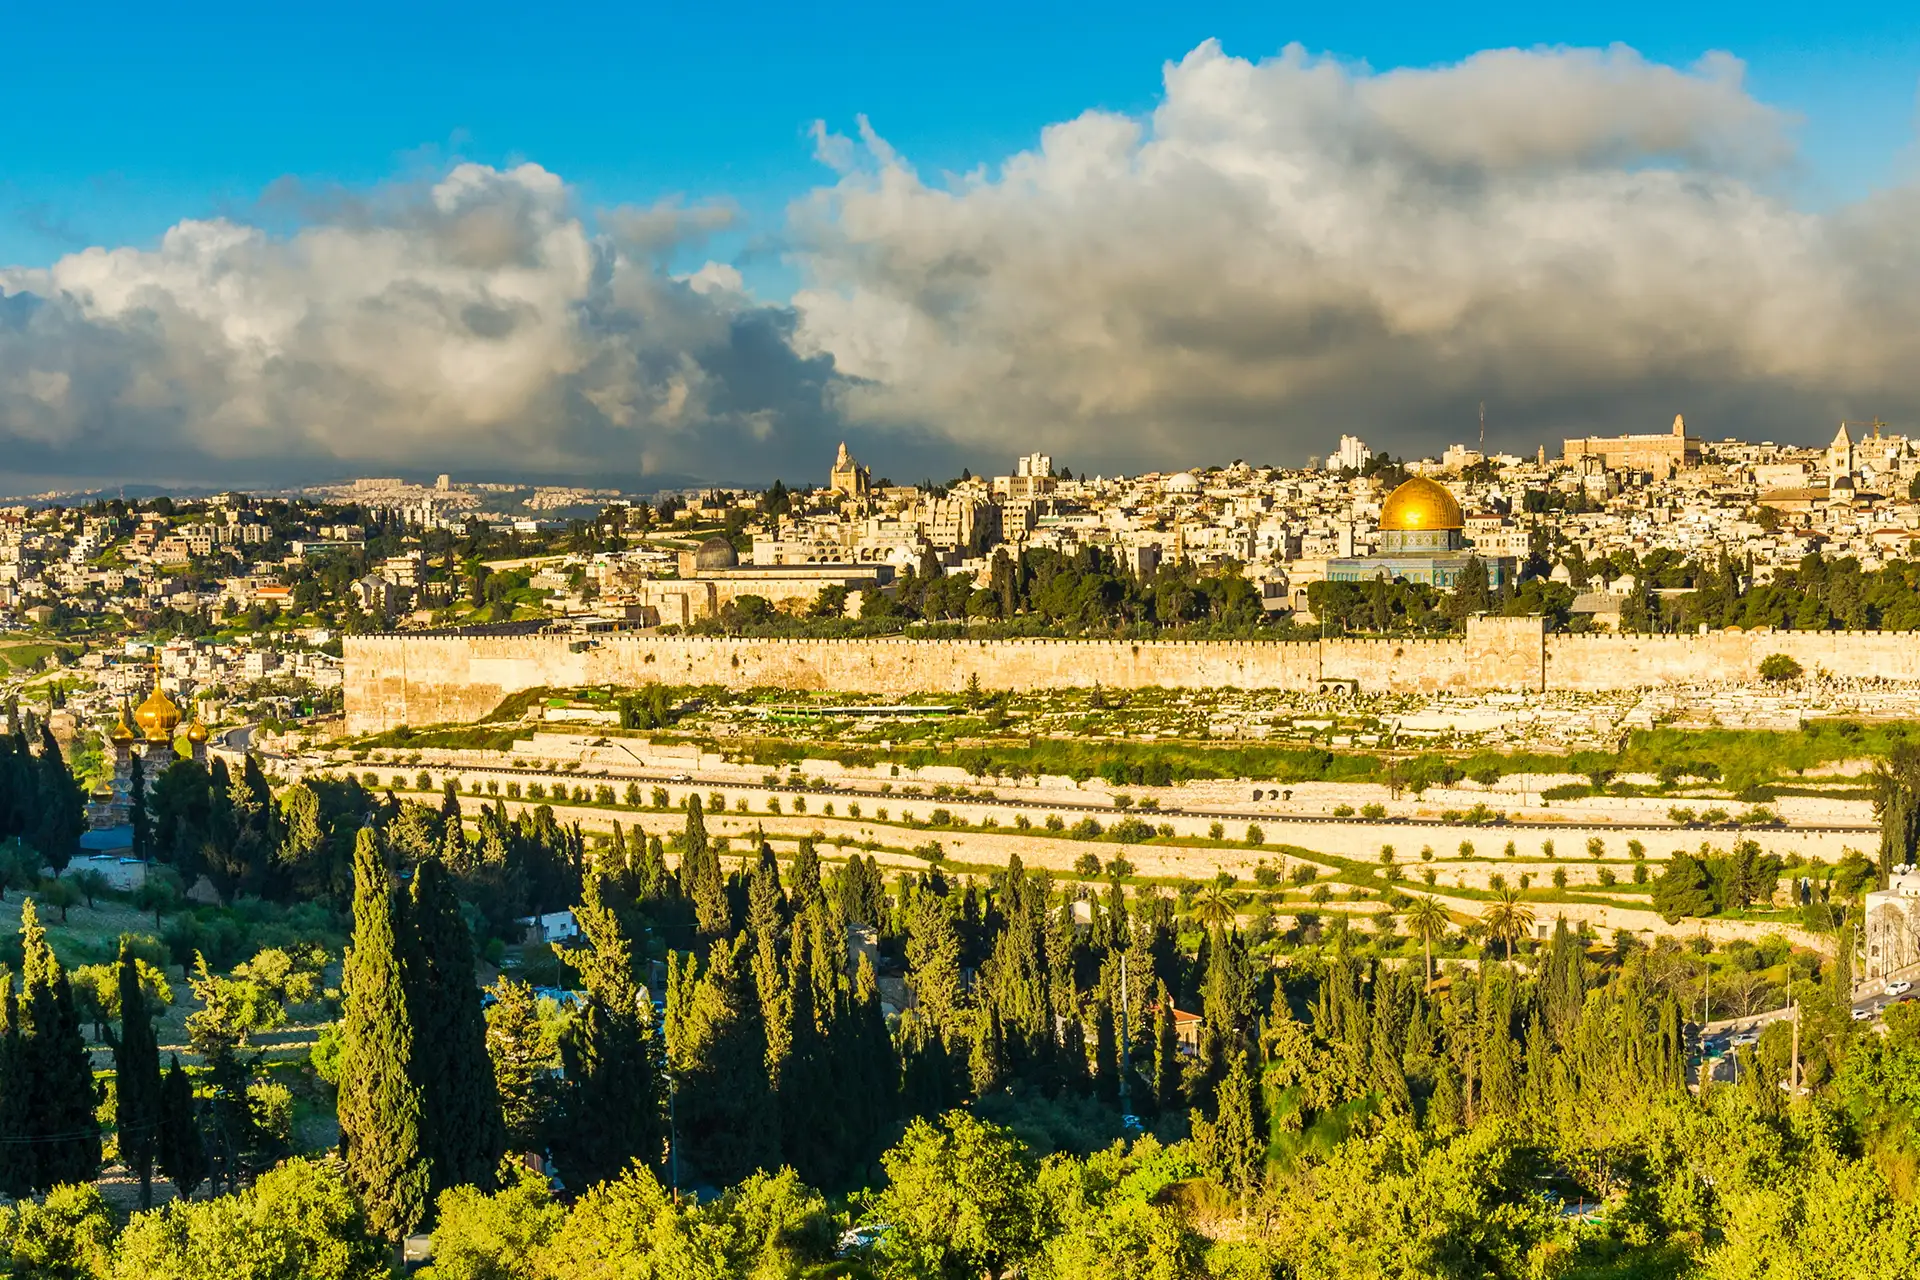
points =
(1126, 1010)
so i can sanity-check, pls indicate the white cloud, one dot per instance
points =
(1280, 251)
(1295, 247)
(476, 323)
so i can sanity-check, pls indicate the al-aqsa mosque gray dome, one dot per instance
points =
(716, 553)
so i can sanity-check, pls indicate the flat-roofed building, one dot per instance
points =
(1660, 455)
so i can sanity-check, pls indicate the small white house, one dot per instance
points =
(551, 927)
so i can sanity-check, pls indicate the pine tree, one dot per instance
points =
(50, 1094)
(381, 1110)
(522, 1056)
(136, 1069)
(464, 1135)
(612, 1098)
(181, 1151)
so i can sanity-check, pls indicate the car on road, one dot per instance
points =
(1899, 988)
(1861, 1015)
(681, 777)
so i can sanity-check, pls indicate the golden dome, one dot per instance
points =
(196, 732)
(157, 716)
(1418, 505)
(121, 731)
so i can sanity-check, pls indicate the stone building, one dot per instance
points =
(1658, 455)
(712, 577)
(849, 477)
(1892, 940)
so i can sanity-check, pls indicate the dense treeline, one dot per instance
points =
(729, 1088)
(41, 804)
(1039, 591)
(1341, 1117)
(1045, 592)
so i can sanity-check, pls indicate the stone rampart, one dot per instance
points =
(417, 679)
(1598, 663)
(401, 679)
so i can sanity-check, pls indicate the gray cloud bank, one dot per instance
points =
(1282, 251)
(474, 324)
(1290, 249)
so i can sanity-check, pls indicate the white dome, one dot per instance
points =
(1184, 482)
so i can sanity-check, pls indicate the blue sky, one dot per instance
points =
(1585, 218)
(117, 120)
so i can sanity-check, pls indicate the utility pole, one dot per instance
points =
(673, 1128)
(1483, 427)
(1125, 1009)
(1796, 1048)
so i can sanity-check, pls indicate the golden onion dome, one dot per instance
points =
(157, 717)
(1419, 505)
(121, 731)
(197, 732)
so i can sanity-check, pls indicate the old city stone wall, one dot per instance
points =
(1597, 663)
(423, 679)
(426, 679)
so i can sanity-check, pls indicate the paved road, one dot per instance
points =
(1719, 1045)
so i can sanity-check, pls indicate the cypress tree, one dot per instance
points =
(1237, 1147)
(986, 1056)
(612, 1097)
(804, 891)
(1166, 1054)
(766, 929)
(14, 1151)
(137, 808)
(700, 879)
(464, 1133)
(652, 873)
(726, 1114)
(1106, 1051)
(381, 1111)
(51, 1094)
(870, 1074)
(136, 1062)
(181, 1151)
(61, 804)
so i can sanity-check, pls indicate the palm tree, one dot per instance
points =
(1508, 918)
(1427, 920)
(1213, 908)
